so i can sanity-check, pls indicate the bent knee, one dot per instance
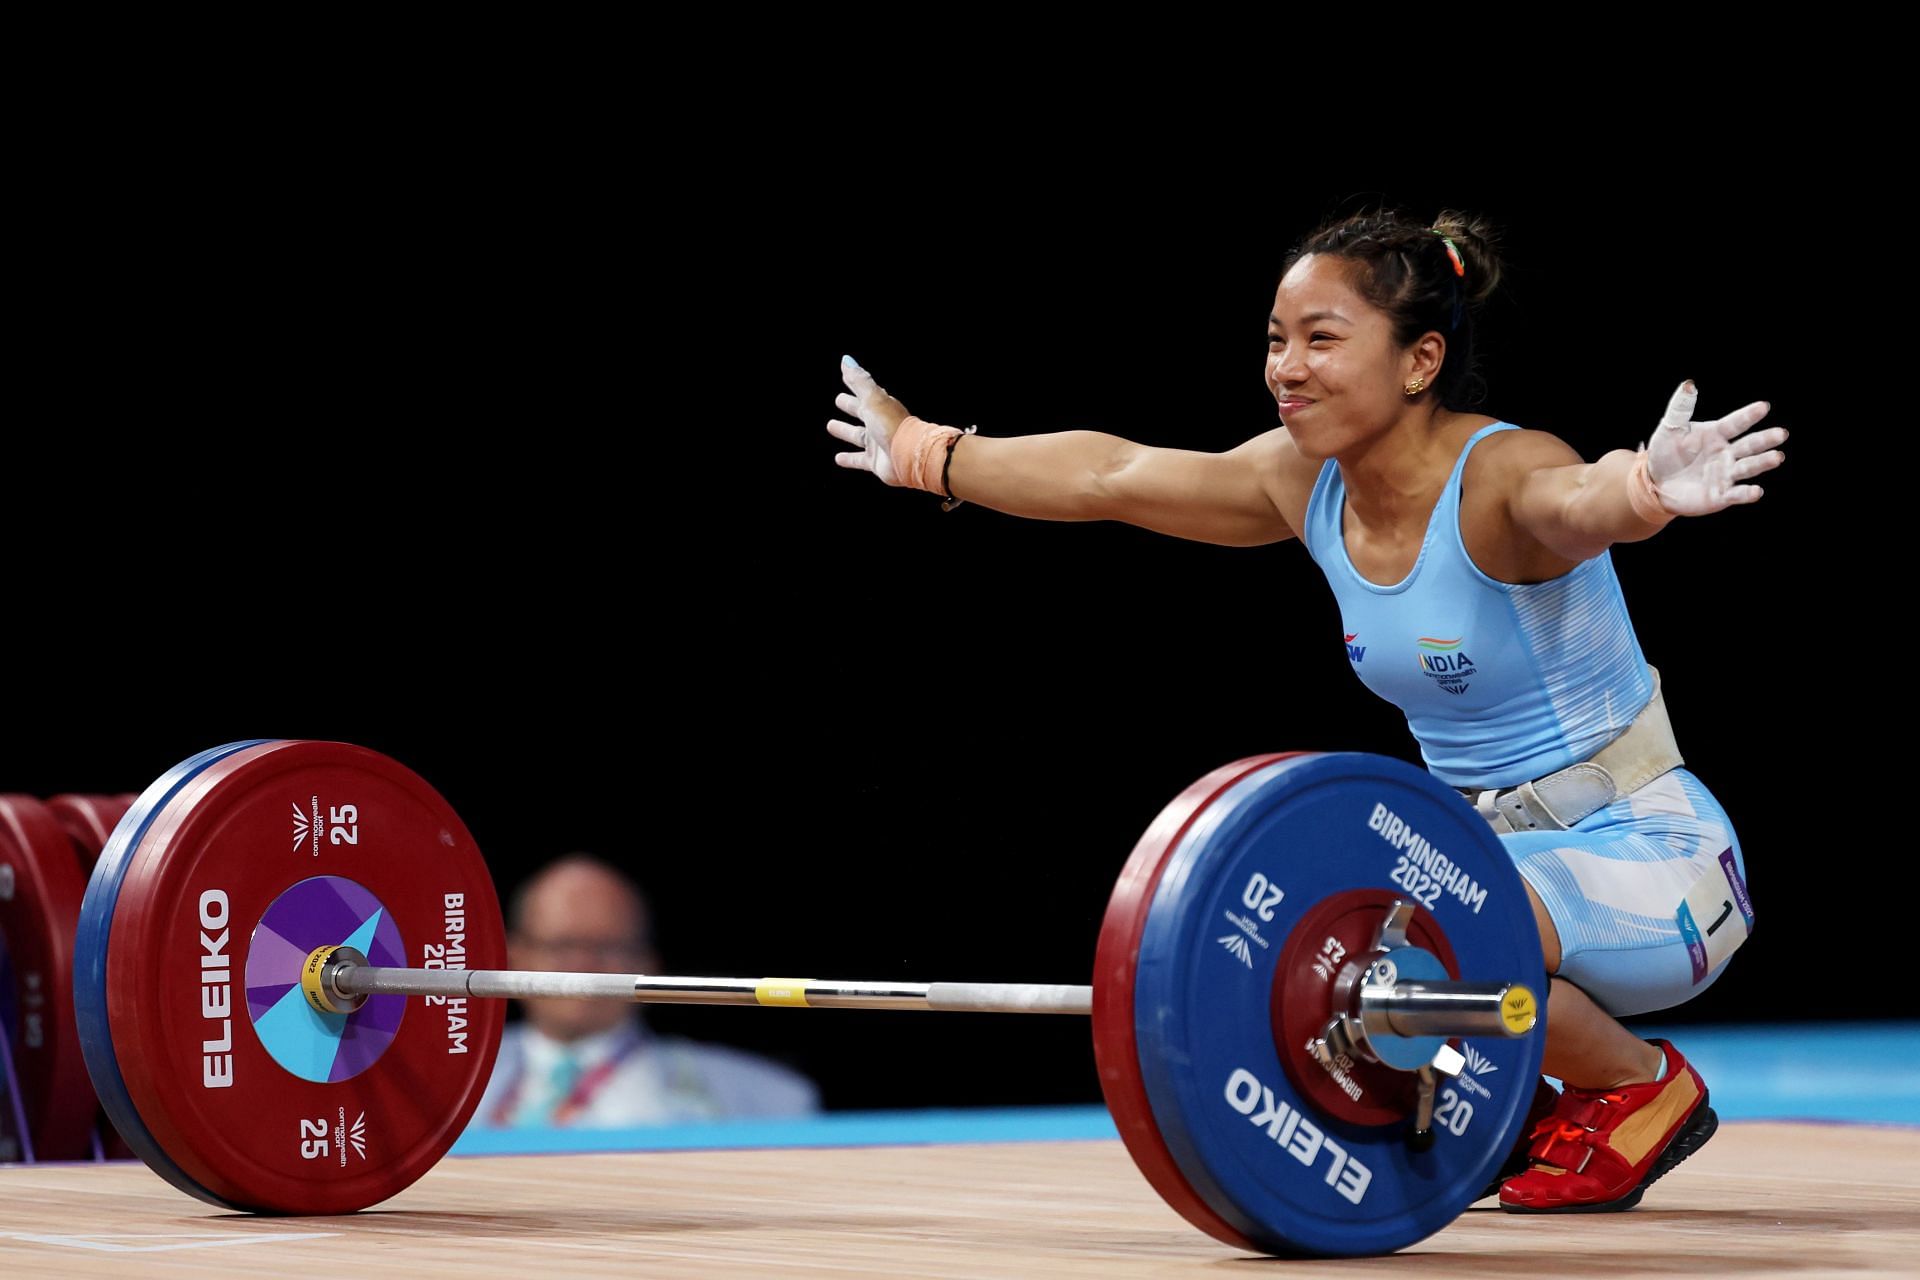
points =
(1549, 932)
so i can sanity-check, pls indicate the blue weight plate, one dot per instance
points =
(1115, 1043)
(90, 964)
(1276, 1166)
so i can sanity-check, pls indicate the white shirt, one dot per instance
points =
(629, 1076)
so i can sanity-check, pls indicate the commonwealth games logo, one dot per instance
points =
(1237, 946)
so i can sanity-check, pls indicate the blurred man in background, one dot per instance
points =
(595, 1063)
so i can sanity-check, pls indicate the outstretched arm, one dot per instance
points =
(1223, 498)
(1686, 468)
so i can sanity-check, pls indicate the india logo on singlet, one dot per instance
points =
(1446, 663)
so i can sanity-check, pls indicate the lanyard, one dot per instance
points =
(577, 1098)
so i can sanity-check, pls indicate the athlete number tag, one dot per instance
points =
(1716, 916)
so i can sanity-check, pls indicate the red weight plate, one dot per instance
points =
(1115, 1047)
(262, 857)
(88, 821)
(40, 892)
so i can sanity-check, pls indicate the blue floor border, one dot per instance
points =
(1865, 1072)
(833, 1129)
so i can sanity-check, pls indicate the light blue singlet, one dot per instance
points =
(1504, 682)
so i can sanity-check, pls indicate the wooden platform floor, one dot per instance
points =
(1761, 1199)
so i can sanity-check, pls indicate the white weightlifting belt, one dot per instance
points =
(1556, 802)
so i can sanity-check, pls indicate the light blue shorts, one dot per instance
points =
(1617, 886)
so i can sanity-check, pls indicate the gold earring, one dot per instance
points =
(1415, 387)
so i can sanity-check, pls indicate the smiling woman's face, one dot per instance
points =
(1332, 364)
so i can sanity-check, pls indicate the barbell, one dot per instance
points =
(1312, 1004)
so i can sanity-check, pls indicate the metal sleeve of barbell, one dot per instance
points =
(813, 993)
(1442, 1009)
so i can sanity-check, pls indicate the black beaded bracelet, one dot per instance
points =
(946, 486)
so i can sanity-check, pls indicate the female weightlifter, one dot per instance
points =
(1444, 531)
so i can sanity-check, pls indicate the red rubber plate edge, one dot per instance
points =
(60, 1101)
(1115, 1048)
(89, 821)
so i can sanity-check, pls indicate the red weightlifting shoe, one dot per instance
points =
(1601, 1148)
(1545, 1099)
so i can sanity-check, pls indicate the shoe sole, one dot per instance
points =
(1689, 1140)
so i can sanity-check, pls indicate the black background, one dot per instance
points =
(506, 456)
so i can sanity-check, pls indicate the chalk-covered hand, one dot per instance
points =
(879, 414)
(1697, 467)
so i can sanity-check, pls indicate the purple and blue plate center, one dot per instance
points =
(318, 912)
